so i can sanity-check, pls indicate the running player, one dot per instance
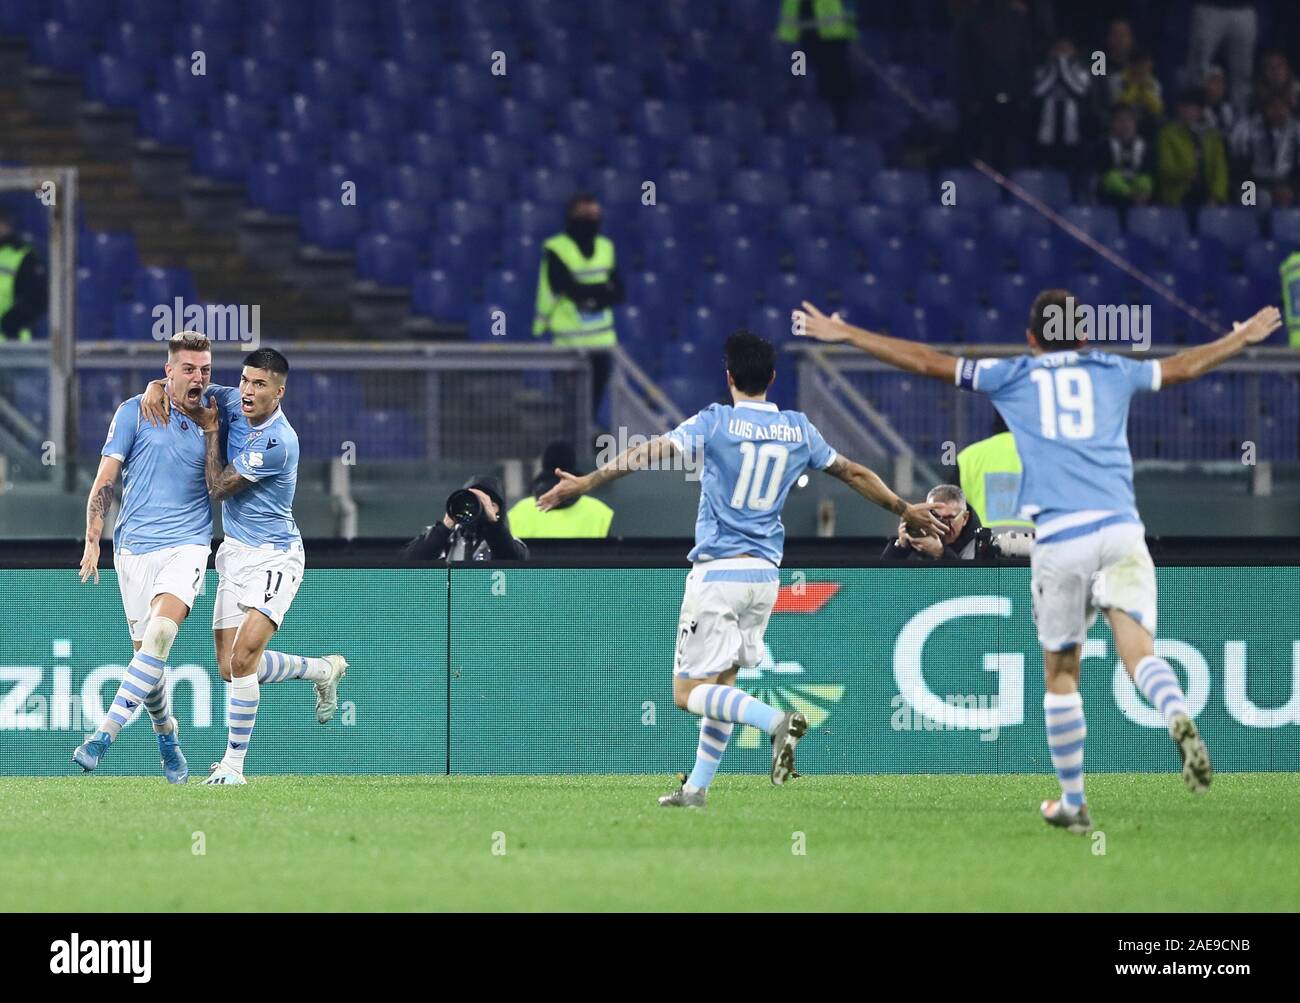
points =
(161, 543)
(260, 563)
(1068, 411)
(752, 454)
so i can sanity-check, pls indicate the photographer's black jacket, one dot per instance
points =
(962, 548)
(484, 540)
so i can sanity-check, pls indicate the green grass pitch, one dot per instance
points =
(601, 843)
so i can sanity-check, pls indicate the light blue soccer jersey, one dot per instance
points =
(1068, 412)
(753, 452)
(164, 494)
(266, 454)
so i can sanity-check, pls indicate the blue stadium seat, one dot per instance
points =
(259, 79)
(276, 188)
(238, 116)
(321, 80)
(540, 85)
(823, 255)
(709, 155)
(162, 285)
(159, 13)
(946, 223)
(707, 331)
(770, 322)
(114, 81)
(510, 293)
(973, 189)
(672, 259)
(175, 76)
(382, 259)
(829, 189)
(133, 321)
(641, 334)
(214, 12)
(304, 113)
(729, 298)
(373, 114)
(687, 188)
(429, 152)
(454, 252)
(797, 221)
(111, 255)
(329, 181)
(809, 120)
(1051, 187)
(759, 188)
(663, 121)
(95, 302)
(445, 116)
(558, 152)
(939, 290)
(399, 219)
(397, 82)
(871, 224)
(1199, 258)
(85, 14)
(60, 45)
(1012, 295)
(633, 153)
(785, 291)
(459, 216)
(614, 187)
(775, 154)
(1012, 224)
(1099, 222)
(411, 184)
(867, 300)
(903, 189)
(523, 122)
(221, 155)
(865, 155)
(216, 42)
(586, 120)
(1045, 261)
(1161, 225)
(991, 327)
(1264, 258)
(900, 260)
(521, 253)
(744, 257)
(1236, 298)
(919, 323)
(330, 225)
(726, 119)
(273, 43)
(479, 184)
(1237, 228)
(1286, 226)
(541, 184)
(351, 45)
(435, 294)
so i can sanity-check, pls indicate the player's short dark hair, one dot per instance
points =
(1048, 322)
(268, 359)
(751, 361)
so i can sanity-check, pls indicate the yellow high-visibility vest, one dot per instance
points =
(990, 480)
(829, 18)
(570, 327)
(586, 518)
(11, 259)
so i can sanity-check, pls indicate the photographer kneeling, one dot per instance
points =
(475, 528)
(959, 543)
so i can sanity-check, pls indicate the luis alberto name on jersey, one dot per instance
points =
(753, 454)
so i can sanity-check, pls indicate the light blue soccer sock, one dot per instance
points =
(1160, 686)
(714, 736)
(727, 703)
(1066, 731)
(142, 675)
(276, 668)
(244, 697)
(159, 707)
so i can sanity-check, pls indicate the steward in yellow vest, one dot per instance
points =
(990, 479)
(582, 517)
(829, 19)
(23, 291)
(1290, 270)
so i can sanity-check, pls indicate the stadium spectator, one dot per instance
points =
(1266, 150)
(994, 52)
(577, 287)
(1276, 80)
(1191, 163)
(24, 289)
(823, 30)
(989, 473)
(1140, 90)
(486, 538)
(1229, 23)
(580, 517)
(1124, 163)
(1290, 294)
(1061, 85)
(1219, 111)
(957, 544)
(1121, 47)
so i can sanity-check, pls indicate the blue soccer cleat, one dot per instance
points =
(91, 751)
(174, 766)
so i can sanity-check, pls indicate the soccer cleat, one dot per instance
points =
(174, 766)
(327, 690)
(1055, 813)
(682, 798)
(91, 751)
(221, 775)
(1197, 771)
(788, 732)
(794, 774)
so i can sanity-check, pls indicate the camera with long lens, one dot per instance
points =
(464, 507)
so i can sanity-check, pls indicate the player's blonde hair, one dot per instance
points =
(187, 341)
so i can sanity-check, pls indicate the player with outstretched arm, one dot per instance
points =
(1068, 410)
(752, 453)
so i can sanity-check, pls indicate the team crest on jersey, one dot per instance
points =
(254, 459)
(774, 682)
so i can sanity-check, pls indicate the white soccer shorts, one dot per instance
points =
(725, 610)
(255, 578)
(1073, 579)
(174, 571)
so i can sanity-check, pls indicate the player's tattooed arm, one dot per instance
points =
(223, 479)
(867, 483)
(97, 507)
(1194, 362)
(907, 355)
(645, 456)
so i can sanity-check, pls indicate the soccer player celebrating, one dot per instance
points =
(160, 543)
(1068, 411)
(752, 453)
(260, 562)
